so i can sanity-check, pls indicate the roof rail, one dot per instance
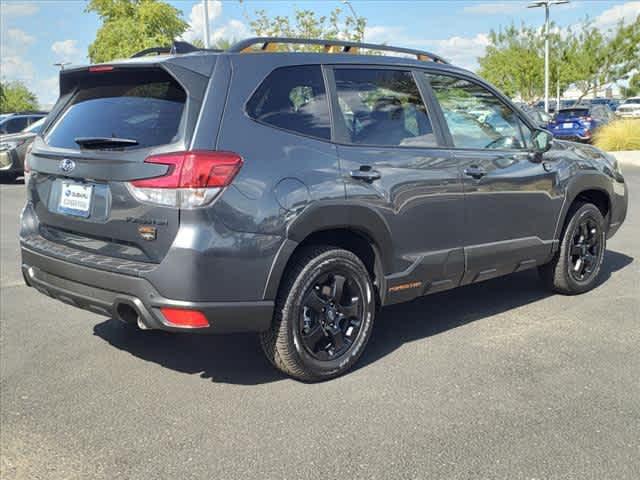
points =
(178, 47)
(267, 44)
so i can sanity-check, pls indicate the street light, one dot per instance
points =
(546, 4)
(61, 65)
(205, 8)
(353, 12)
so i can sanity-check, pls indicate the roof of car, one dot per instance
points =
(336, 51)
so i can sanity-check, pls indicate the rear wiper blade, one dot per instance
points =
(105, 142)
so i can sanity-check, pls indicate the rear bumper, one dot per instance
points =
(117, 295)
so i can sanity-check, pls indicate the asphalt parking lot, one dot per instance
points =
(496, 380)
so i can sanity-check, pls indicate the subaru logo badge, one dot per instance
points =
(67, 165)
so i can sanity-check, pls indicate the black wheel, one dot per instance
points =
(576, 266)
(324, 315)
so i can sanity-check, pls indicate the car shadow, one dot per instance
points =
(238, 358)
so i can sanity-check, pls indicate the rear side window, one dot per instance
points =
(383, 107)
(294, 99)
(15, 125)
(145, 106)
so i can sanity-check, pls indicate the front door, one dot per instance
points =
(511, 201)
(392, 160)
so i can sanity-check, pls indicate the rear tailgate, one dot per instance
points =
(80, 192)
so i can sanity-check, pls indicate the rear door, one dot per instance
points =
(80, 189)
(511, 202)
(392, 159)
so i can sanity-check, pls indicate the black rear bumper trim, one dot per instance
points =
(102, 292)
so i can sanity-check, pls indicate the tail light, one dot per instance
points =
(192, 180)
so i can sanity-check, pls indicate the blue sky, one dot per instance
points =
(36, 34)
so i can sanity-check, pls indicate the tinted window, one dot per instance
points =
(143, 106)
(383, 107)
(15, 125)
(35, 127)
(293, 98)
(476, 117)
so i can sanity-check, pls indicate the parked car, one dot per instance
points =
(630, 108)
(294, 194)
(538, 117)
(580, 122)
(17, 122)
(553, 104)
(612, 103)
(13, 148)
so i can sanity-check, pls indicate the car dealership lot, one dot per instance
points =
(495, 380)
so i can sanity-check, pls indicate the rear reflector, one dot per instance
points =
(192, 179)
(185, 318)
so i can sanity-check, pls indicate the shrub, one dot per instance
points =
(623, 134)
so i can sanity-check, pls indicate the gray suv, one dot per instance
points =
(294, 193)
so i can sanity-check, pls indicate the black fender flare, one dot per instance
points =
(589, 180)
(329, 215)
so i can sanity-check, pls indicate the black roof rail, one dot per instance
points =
(267, 43)
(178, 47)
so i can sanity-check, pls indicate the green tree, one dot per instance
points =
(129, 26)
(584, 55)
(513, 62)
(633, 89)
(16, 97)
(307, 24)
(599, 57)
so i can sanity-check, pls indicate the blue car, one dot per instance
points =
(579, 123)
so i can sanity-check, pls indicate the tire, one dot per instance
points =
(308, 336)
(563, 273)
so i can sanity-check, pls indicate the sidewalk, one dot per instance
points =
(631, 157)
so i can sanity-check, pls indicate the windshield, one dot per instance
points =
(632, 101)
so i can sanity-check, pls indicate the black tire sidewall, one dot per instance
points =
(585, 211)
(334, 261)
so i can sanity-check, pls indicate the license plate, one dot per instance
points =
(567, 125)
(75, 199)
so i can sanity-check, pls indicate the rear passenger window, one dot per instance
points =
(294, 99)
(383, 107)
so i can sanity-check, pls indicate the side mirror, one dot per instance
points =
(542, 140)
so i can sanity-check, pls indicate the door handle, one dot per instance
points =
(365, 173)
(475, 171)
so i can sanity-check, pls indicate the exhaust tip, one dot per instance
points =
(130, 315)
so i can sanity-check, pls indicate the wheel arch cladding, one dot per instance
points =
(592, 188)
(354, 228)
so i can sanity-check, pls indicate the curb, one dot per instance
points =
(629, 157)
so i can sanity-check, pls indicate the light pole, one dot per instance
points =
(61, 65)
(547, 5)
(353, 12)
(205, 9)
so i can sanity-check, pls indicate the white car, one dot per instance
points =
(630, 108)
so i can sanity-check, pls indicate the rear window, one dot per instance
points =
(574, 112)
(145, 106)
